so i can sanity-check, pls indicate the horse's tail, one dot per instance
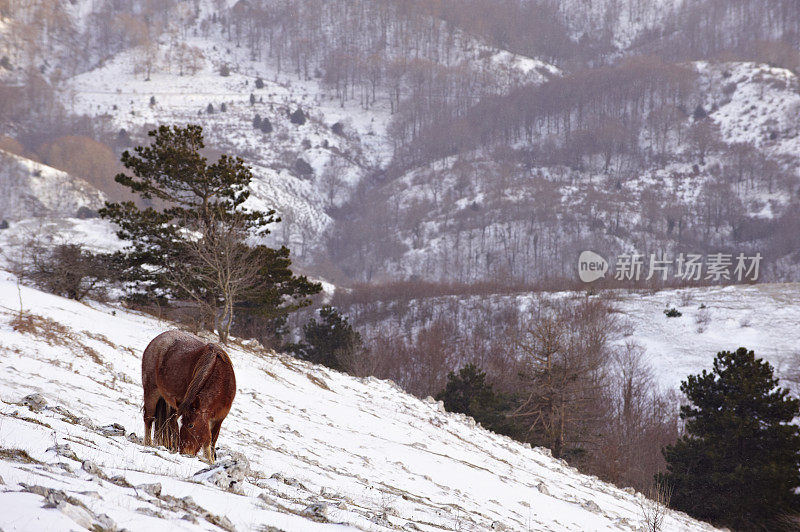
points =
(202, 370)
(166, 426)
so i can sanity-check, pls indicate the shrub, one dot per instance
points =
(257, 121)
(85, 213)
(672, 313)
(68, 270)
(266, 125)
(210, 109)
(338, 128)
(223, 107)
(298, 117)
(259, 83)
(303, 168)
(225, 71)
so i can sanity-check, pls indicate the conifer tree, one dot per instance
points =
(194, 246)
(469, 393)
(331, 342)
(739, 462)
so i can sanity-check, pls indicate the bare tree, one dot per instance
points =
(563, 383)
(654, 508)
(220, 263)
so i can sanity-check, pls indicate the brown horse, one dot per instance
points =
(185, 377)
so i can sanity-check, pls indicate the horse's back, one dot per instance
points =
(163, 344)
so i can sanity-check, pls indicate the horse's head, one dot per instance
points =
(195, 431)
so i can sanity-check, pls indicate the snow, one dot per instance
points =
(360, 451)
(761, 317)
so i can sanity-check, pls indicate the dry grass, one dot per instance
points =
(57, 334)
(51, 331)
(319, 382)
(17, 455)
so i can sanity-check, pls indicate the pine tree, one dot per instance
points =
(331, 342)
(739, 462)
(467, 392)
(195, 247)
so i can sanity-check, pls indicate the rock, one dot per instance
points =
(430, 400)
(105, 523)
(543, 489)
(119, 480)
(92, 468)
(317, 511)
(220, 520)
(293, 482)
(189, 517)
(133, 438)
(86, 422)
(2, 482)
(526, 445)
(629, 490)
(115, 429)
(151, 489)
(63, 449)
(35, 402)
(410, 526)
(591, 506)
(545, 451)
(497, 525)
(227, 474)
(264, 496)
(440, 407)
(77, 514)
(327, 492)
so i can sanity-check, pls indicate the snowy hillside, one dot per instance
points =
(304, 448)
(34, 189)
(761, 317)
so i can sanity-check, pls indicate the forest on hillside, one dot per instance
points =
(495, 172)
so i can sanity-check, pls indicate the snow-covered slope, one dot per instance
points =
(304, 448)
(34, 189)
(762, 317)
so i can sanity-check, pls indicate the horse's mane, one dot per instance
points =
(202, 370)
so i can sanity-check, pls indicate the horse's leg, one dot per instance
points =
(150, 402)
(172, 430)
(215, 426)
(208, 453)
